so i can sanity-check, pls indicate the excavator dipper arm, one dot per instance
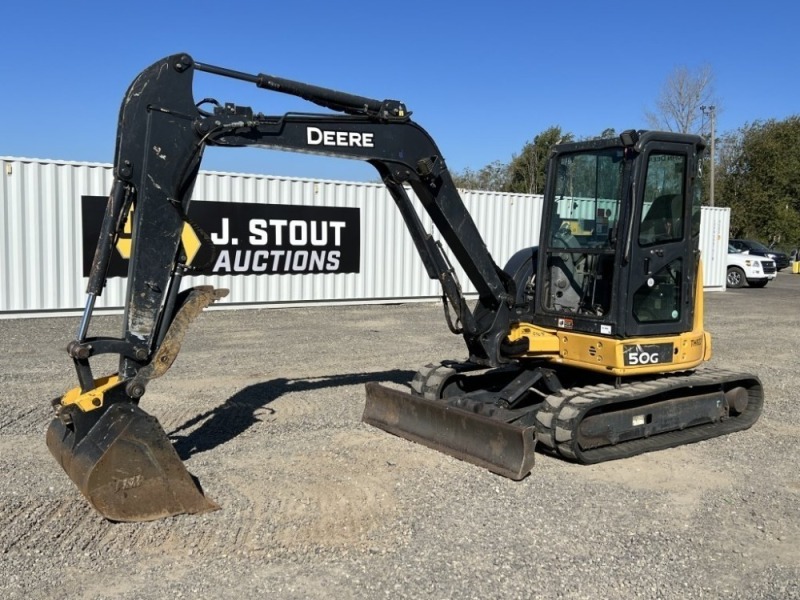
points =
(160, 146)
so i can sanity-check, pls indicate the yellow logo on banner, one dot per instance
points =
(191, 243)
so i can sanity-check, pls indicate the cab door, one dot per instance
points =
(662, 246)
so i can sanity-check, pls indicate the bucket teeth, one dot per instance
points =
(500, 447)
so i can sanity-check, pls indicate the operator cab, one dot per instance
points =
(616, 256)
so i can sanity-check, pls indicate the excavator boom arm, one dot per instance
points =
(160, 143)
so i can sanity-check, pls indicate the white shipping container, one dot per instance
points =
(41, 262)
(714, 225)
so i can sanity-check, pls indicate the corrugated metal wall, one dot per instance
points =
(40, 248)
(714, 227)
(40, 238)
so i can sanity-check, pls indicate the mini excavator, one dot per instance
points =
(590, 345)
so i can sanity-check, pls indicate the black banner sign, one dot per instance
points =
(249, 239)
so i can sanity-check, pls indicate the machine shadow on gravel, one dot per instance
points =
(238, 413)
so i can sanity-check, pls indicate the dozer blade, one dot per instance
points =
(125, 465)
(501, 448)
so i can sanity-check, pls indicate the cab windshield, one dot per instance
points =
(588, 197)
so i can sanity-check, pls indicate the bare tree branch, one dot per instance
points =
(678, 106)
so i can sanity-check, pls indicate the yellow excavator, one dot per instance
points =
(587, 345)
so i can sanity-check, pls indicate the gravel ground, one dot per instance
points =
(266, 404)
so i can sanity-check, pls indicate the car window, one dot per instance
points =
(758, 246)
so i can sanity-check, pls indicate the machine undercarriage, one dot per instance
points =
(575, 415)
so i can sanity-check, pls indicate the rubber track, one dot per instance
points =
(560, 416)
(428, 380)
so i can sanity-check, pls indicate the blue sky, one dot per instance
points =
(482, 77)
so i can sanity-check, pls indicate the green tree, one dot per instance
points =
(607, 134)
(759, 179)
(491, 178)
(527, 169)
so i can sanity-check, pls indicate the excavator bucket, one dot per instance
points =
(118, 455)
(125, 465)
(500, 447)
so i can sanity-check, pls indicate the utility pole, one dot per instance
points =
(711, 112)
